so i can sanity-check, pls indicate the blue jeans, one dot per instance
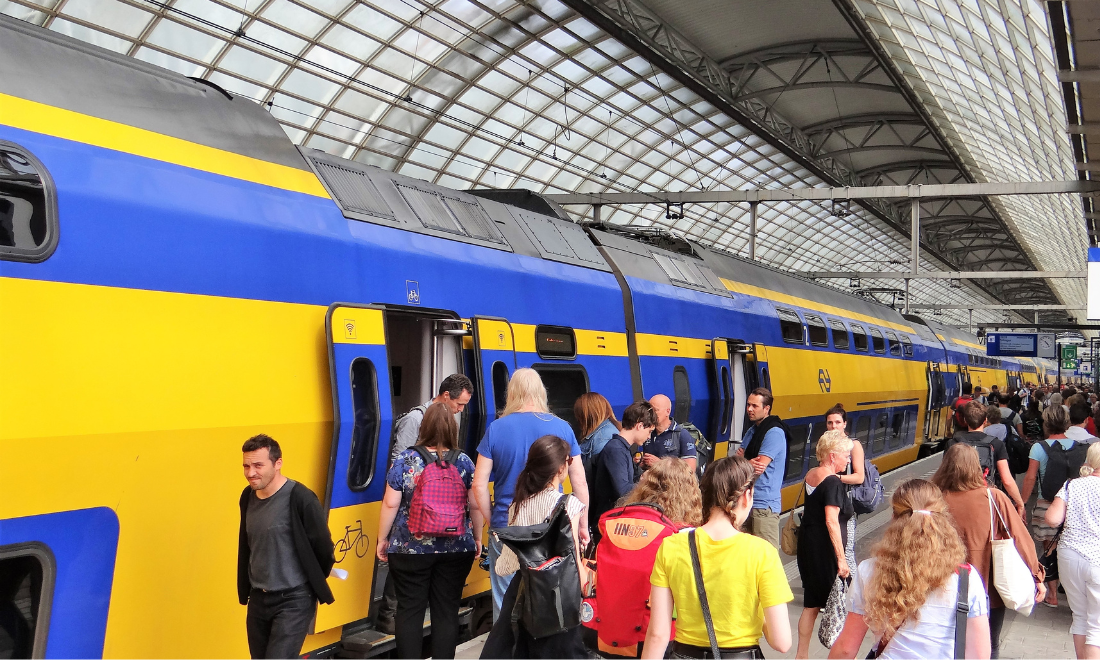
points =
(500, 584)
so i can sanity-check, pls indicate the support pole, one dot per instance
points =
(752, 230)
(971, 322)
(596, 212)
(1036, 319)
(914, 257)
(907, 307)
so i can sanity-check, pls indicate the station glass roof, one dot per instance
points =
(509, 94)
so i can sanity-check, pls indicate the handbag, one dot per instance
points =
(834, 613)
(698, 569)
(1011, 576)
(788, 540)
(1049, 560)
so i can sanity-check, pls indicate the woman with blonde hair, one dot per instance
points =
(821, 539)
(1077, 507)
(980, 513)
(906, 594)
(502, 454)
(671, 485)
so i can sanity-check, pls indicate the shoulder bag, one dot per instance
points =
(788, 540)
(1011, 576)
(697, 567)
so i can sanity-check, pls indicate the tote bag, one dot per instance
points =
(834, 613)
(1011, 576)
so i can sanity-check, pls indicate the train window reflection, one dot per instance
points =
(819, 336)
(895, 345)
(877, 341)
(859, 336)
(364, 435)
(28, 210)
(840, 335)
(790, 326)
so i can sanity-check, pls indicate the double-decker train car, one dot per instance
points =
(176, 276)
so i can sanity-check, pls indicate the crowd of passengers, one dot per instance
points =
(688, 555)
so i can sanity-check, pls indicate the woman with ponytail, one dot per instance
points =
(538, 490)
(1077, 509)
(906, 593)
(746, 589)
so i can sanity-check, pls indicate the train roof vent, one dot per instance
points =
(558, 240)
(429, 209)
(473, 219)
(689, 272)
(353, 190)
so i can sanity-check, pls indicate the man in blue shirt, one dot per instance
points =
(765, 445)
(614, 471)
(668, 439)
(503, 453)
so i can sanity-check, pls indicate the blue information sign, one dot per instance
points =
(1011, 344)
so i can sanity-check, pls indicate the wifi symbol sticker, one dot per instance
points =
(349, 329)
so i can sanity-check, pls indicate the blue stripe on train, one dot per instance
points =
(127, 221)
(84, 544)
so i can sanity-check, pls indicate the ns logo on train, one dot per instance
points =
(824, 381)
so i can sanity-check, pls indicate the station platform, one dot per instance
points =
(1044, 634)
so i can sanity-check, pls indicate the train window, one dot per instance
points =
(500, 386)
(791, 326)
(564, 384)
(26, 585)
(907, 345)
(897, 426)
(364, 435)
(895, 346)
(863, 430)
(815, 327)
(840, 335)
(796, 451)
(28, 206)
(879, 443)
(555, 342)
(859, 337)
(681, 393)
(877, 341)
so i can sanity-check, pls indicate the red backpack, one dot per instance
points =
(438, 506)
(632, 534)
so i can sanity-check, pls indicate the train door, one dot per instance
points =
(382, 362)
(734, 375)
(937, 399)
(494, 362)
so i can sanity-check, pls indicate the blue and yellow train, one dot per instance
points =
(176, 276)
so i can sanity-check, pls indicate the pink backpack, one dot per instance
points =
(438, 506)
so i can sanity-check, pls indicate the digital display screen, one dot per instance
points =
(555, 342)
(1011, 344)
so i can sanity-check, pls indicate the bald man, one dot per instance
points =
(668, 439)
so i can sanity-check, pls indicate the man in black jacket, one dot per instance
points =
(285, 554)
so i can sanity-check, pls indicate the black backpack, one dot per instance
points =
(549, 597)
(1062, 465)
(987, 457)
(1033, 427)
(1018, 450)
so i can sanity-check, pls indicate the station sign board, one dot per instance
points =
(1012, 344)
(1085, 369)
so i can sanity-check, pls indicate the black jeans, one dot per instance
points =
(278, 621)
(434, 580)
(996, 623)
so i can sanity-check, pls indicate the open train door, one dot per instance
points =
(732, 369)
(937, 399)
(362, 421)
(494, 362)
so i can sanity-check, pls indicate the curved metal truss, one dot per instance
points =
(585, 95)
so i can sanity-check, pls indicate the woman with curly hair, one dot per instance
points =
(671, 485)
(906, 593)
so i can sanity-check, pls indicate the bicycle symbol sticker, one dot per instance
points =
(359, 541)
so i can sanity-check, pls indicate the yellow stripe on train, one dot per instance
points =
(69, 125)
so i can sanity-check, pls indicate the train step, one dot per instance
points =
(370, 643)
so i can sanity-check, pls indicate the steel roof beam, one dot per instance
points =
(827, 194)
(948, 275)
(1038, 308)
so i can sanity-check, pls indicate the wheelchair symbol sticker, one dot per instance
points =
(824, 381)
(412, 292)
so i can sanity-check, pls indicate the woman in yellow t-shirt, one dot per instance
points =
(747, 590)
